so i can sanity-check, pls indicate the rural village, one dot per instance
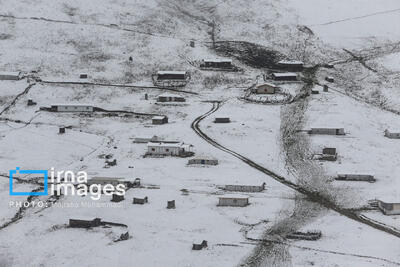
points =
(245, 134)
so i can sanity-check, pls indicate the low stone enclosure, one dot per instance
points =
(97, 222)
(356, 177)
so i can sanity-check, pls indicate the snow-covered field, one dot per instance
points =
(59, 40)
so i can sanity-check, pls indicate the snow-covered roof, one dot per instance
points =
(161, 144)
(73, 105)
(203, 157)
(291, 62)
(237, 196)
(268, 84)
(162, 72)
(217, 60)
(160, 117)
(284, 74)
(9, 73)
(169, 95)
(390, 199)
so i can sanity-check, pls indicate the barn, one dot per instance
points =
(245, 188)
(203, 161)
(389, 206)
(168, 149)
(327, 131)
(222, 120)
(286, 76)
(157, 120)
(71, 108)
(392, 135)
(170, 98)
(9, 75)
(221, 63)
(172, 75)
(233, 201)
(266, 88)
(291, 65)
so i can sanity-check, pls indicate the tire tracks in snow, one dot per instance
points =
(313, 196)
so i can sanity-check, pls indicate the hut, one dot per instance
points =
(71, 108)
(200, 246)
(233, 201)
(265, 88)
(389, 207)
(61, 130)
(291, 65)
(222, 120)
(170, 98)
(83, 76)
(356, 177)
(392, 135)
(31, 102)
(287, 76)
(329, 154)
(140, 201)
(158, 120)
(327, 131)
(329, 79)
(169, 149)
(171, 204)
(10, 75)
(245, 188)
(117, 198)
(79, 223)
(203, 161)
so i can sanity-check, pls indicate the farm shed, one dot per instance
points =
(140, 201)
(233, 201)
(286, 76)
(10, 75)
(170, 98)
(143, 140)
(327, 131)
(222, 63)
(72, 108)
(389, 207)
(245, 188)
(157, 120)
(222, 120)
(392, 135)
(79, 223)
(266, 88)
(291, 65)
(203, 161)
(356, 177)
(172, 75)
(168, 149)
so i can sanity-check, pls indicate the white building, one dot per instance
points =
(392, 135)
(389, 206)
(72, 108)
(168, 149)
(265, 88)
(9, 75)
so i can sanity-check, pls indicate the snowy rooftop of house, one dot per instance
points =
(268, 84)
(237, 196)
(161, 72)
(73, 105)
(169, 95)
(284, 74)
(289, 62)
(10, 73)
(390, 199)
(204, 157)
(160, 117)
(161, 144)
(217, 60)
